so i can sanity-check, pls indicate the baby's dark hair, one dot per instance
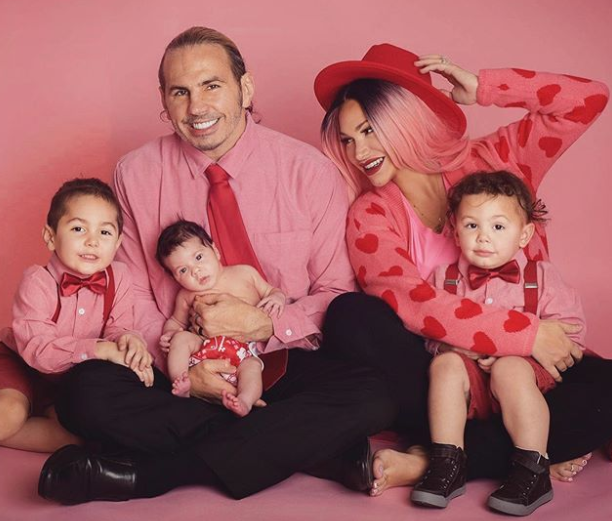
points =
(77, 188)
(494, 184)
(175, 235)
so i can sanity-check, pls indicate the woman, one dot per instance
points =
(390, 132)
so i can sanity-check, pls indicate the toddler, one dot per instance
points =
(493, 215)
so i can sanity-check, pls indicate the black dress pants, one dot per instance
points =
(364, 328)
(317, 410)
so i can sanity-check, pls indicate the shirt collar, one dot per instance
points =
(57, 269)
(232, 161)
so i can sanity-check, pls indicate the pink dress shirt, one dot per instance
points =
(559, 109)
(54, 347)
(556, 299)
(293, 203)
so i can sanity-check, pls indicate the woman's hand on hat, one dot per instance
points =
(465, 83)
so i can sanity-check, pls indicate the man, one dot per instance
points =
(293, 206)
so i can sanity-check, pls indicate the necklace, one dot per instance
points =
(436, 225)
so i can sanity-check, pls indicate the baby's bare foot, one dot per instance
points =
(398, 469)
(236, 404)
(568, 470)
(181, 386)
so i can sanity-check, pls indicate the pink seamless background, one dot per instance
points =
(78, 89)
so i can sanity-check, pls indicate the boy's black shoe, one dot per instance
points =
(528, 486)
(444, 479)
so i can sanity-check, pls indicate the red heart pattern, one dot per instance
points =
(526, 169)
(525, 73)
(503, 149)
(550, 145)
(468, 309)
(483, 344)
(404, 253)
(524, 130)
(433, 329)
(516, 104)
(577, 78)
(393, 271)
(389, 297)
(357, 224)
(368, 243)
(547, 94)
(376, 209)
(503, 86)
(586, 113)
(516, 322)
(422, 293)
(361, 275)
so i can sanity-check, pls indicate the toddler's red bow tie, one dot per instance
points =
(510, 272)
(71, 284)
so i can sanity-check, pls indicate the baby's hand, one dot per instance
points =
(273, 304)
(166, 338)
(137, 356)
(486, 363)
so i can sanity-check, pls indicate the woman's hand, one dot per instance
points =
(553, 349)
(465, 83)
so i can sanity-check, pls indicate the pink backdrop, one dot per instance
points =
(78, 90)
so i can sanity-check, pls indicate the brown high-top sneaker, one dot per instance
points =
(444, 479)
(527, 487)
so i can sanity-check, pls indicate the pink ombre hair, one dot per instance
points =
(412, 135)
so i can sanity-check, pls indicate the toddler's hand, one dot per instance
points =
(273, 304)
(136, 354)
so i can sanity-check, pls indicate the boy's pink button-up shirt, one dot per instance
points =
(54, 347)
(293, 203)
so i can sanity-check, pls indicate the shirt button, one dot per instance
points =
(489, 300)
(288, 332)
(83, 356)
(81, 311)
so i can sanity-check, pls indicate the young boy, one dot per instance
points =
(493, 215)
(187, 252)
(76, 308)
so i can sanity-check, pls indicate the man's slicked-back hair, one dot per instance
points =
(204, 35)
(175, 235)
(81, 187)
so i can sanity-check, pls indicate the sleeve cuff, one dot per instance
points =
(85, 350)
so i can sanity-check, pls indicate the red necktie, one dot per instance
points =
(69, 285)
(230, 236)
(510, 272)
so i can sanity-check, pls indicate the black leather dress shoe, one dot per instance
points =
(74, 475)
(352, 468)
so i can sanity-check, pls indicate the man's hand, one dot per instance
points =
(486, 363)
(553, 349)
(220, 314)
(207, 382)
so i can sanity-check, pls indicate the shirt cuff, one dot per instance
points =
(292, 329)
(85, 350)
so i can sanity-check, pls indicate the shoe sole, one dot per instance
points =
(518, 510)
(429, 499)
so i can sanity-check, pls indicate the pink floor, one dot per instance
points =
(299, 498)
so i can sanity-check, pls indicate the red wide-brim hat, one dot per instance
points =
(390, 63)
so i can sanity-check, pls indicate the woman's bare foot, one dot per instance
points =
(181, 386)
(398, 469)
(235, 404)
(568, 470)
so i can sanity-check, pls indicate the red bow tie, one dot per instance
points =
(510, 272)
(70, 284)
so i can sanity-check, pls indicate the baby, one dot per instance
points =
(187, 252)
